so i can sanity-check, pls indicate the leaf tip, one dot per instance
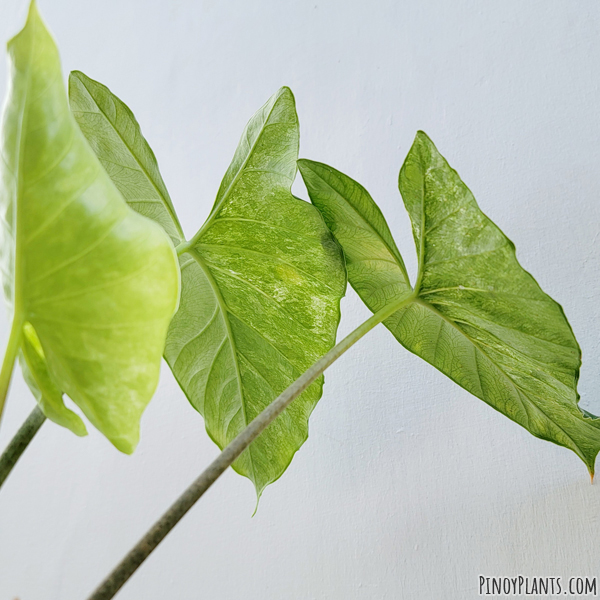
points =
(284, 95)
(422, 139)
(34, 24)
(33, 10)
(284, 90)
(258, 496)
(590, 462)
(79, 429)
(125, 444)
(304, 164)
(33, 14)
(75, 74)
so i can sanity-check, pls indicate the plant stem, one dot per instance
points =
(125, 569)
(12, 347)
(19, 443)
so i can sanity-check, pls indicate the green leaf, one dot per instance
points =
(48, 396)
(375, 268)
(92, 283)
(261, 281)
(115, 136)
(477, 315)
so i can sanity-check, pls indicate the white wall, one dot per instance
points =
(408, 486)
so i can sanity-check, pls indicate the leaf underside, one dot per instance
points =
(261, 281)
(39, 381)
(93, 283)
(477, 315)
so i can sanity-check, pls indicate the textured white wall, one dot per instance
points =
(408, 486)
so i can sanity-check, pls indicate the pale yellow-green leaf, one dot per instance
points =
(96, 282)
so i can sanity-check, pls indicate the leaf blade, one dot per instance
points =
(375, 268)
(279, 279)
(478, 317)
(116, 137)
(479, 287)
(96, 282)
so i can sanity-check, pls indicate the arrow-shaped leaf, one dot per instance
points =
(477, 315)
(92, 285)
(261, 281)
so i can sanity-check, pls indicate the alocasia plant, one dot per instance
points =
(473, 313)
(91, 284)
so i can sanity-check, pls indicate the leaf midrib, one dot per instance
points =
(527, 394)
(422, 228)
(18, 258)
(430, 307)
(225, 312)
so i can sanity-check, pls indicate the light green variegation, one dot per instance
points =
(261, 280)
(476, 314)
(91, 284)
